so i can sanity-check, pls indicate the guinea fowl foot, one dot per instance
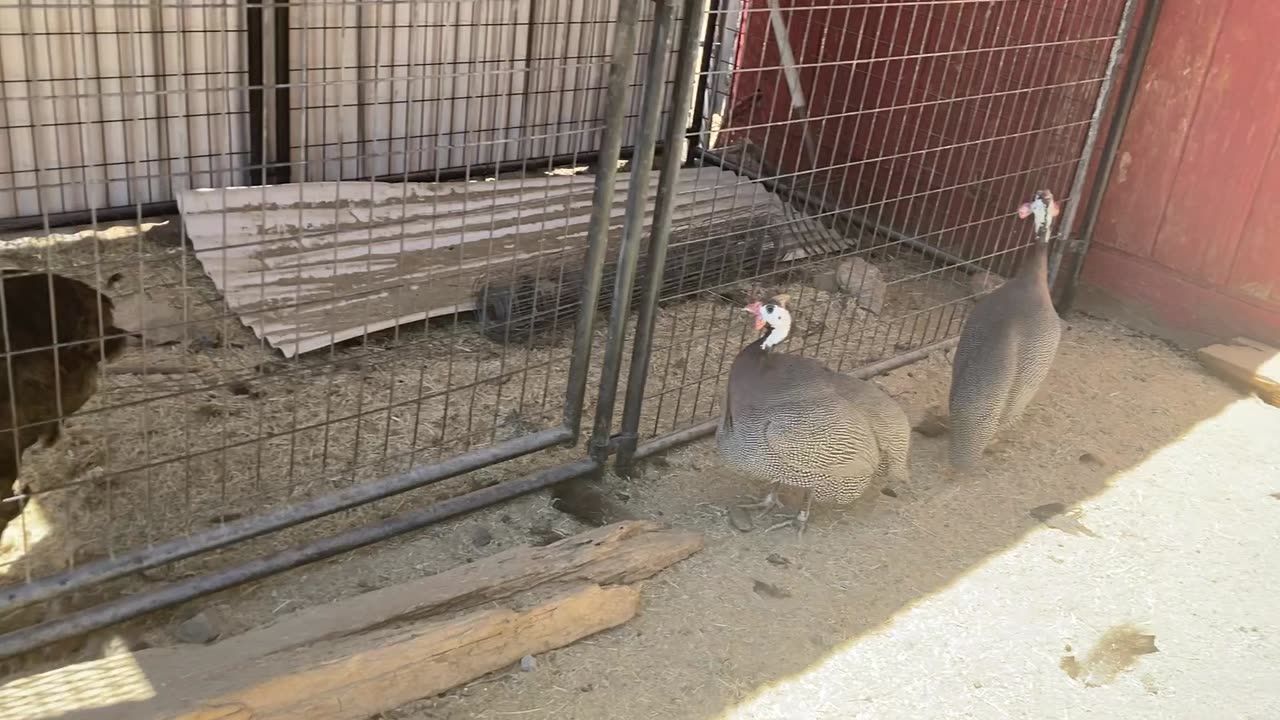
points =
(765, 505)
(799, 521)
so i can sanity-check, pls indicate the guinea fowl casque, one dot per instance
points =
(1006, 347)
(32, 378)
(793, 421)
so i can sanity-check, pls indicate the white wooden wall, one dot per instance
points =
(116, 106)
(107, 107)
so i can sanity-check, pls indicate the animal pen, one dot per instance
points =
(369, 252)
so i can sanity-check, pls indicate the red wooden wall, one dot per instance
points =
(1190, 223)
(935, 118)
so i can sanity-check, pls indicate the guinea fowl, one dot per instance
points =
(33, 379)
(793, 421)
(1006, 347)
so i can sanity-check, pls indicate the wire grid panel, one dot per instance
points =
(198, 423)
(392, 87)
(911, 128)
(115, 104)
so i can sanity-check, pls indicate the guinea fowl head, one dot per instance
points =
(1043, 209)
(772, 314)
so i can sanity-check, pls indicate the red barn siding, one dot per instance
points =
(1188, 225)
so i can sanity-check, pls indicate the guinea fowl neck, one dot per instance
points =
(758, 345)
(1036, 266)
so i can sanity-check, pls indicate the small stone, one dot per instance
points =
(933, 424)
(244, 389)
(859, 278)
(824, 281)
(528, 663)
(776, 559)
(889, 492)
(1091, 459)
(740, 520)
(481, 536)
(769, 590)
(199, 629)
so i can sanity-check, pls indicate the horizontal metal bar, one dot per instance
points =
(687, 435)
(110, 613)
(251, 527)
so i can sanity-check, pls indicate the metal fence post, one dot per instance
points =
(629, 252)
(642, 345)
(620, 69)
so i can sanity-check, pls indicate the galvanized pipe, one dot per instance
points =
(251, 527)
(1091, 139)
(1110, 148)
(633, 223)
(668, 187)
(126, 608)
(621, 67)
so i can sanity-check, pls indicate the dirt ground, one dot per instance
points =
(971, 598)
(956, 600)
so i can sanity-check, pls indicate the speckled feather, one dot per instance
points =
(792, 420)
(1005, 351)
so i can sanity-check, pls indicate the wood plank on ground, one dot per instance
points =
(278, 670)
(1247, 362)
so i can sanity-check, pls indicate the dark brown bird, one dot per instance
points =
(54, 333)
(1006, 347)
(792, 420)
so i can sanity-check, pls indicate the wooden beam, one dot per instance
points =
(136, 686)
(365, 675)
(1246, 362)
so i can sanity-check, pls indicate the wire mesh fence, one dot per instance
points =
(909, 132)
(362, 244)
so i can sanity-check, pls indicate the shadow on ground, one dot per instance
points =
(974, 599)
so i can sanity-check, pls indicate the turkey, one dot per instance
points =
(791, 420)
(1006, 347)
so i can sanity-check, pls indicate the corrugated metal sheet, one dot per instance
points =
(1189, 224)
(307, 265)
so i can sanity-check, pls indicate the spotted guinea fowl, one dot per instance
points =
(791, 420)
(1006, 347)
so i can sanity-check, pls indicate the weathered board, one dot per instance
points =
(311, 264)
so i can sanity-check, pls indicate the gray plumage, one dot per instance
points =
(792, 420)
(1006, 348)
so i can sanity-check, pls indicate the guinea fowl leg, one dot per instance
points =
(800, 520)
(765, 505)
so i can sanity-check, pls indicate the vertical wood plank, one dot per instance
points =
(1256, 271)
(1227, 146)
(1150, 154)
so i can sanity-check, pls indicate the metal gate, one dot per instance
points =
(865, 156)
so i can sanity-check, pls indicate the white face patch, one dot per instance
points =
(779, 319)
(1040, 214)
